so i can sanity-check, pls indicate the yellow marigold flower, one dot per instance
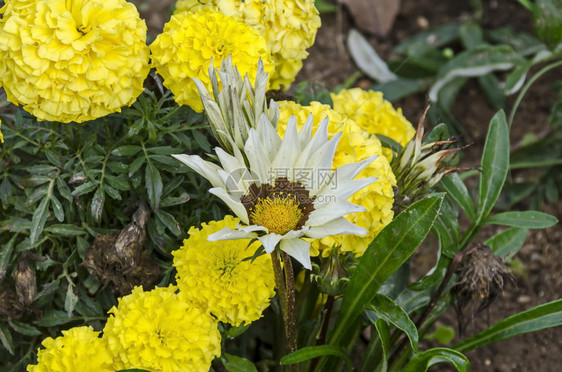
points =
(289, 27)
(78, 349)
(355, 145)
(158, 331)
(72, 60)
(374, 114)
(190, 40)
(214, 275)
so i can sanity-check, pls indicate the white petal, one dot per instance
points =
(227, 233)
(228, 161)
(205, 168)
(331, 211)
(268, 135)
(270, 241)
(339, 226)
(289, 151)
(323, 158)
(251, 228)
(232, 203)
(299, 250)
(343, 191)
(258, 157)
(344, 173)
(305, 134)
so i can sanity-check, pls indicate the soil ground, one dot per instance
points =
(330, 64)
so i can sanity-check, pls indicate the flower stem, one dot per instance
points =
(286, 294)
(290, 291)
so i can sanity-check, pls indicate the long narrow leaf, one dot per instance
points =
(392, 312)
(394, 244)
(422, 361)
(384, 336)
(526, 219)
(458, 191)
(310, 352)
(495, 164)
(543, 316)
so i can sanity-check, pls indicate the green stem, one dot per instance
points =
(527, 4)
(286, 300)
(523, 91)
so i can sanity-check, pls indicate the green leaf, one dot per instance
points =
(392, 312)
(153, 182)
(233, 363)
(495, 164)
(456, 188)
(443, 335)
(367, 58)
(543, 316)
(311, 352)
(471, 35)
(97, 204)
(436, 37)
(6, 339)
(306, 92)
(57, 208)
(169, 221)
(84, 188)
(475, 62)
(24, 328)
(70, 300)
(38, 221)
(7, 250)
(508, 242)
(386, 253)
(394, 90)
(490, 85)
(547, 16)
(65, 229)
(526, 219)
(53, 318)
(384, 337)
(127, 150)
(136, 164)
(422, 361)
(515, 79)
(237, 331)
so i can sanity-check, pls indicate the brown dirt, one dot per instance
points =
(330, 64)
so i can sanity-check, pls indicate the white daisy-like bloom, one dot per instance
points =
(284, 189)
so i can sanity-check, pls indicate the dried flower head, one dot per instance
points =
(71, 60)
(78, 349)
(480, 277)
(192, 41)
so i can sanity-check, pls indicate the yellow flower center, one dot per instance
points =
(278, 214)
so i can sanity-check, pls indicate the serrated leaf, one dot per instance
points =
(543, 316)
(111, 192)
(153, 183)
(127, 150)
(495, 164)
(6, 339)
(58, 211)
(169, 221)
(311, 352)
(136, 164)
(7, 250)
(53, 318)
(422, 361)
(65, 229)
(38, 221)
(84, 188)
(24, 328)
(98, 201)
(234, 363)
(393, 313)
(526, 219)
(117, 182)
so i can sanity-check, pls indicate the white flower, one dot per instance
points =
(284, 190)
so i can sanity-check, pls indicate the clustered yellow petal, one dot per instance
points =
(190, 40)
(213, 274)
(72, 60)
(78, 349)
(374, 114)
(158, 331)
(289, 27)
(355, 145)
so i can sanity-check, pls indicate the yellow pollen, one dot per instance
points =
(279, 215)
